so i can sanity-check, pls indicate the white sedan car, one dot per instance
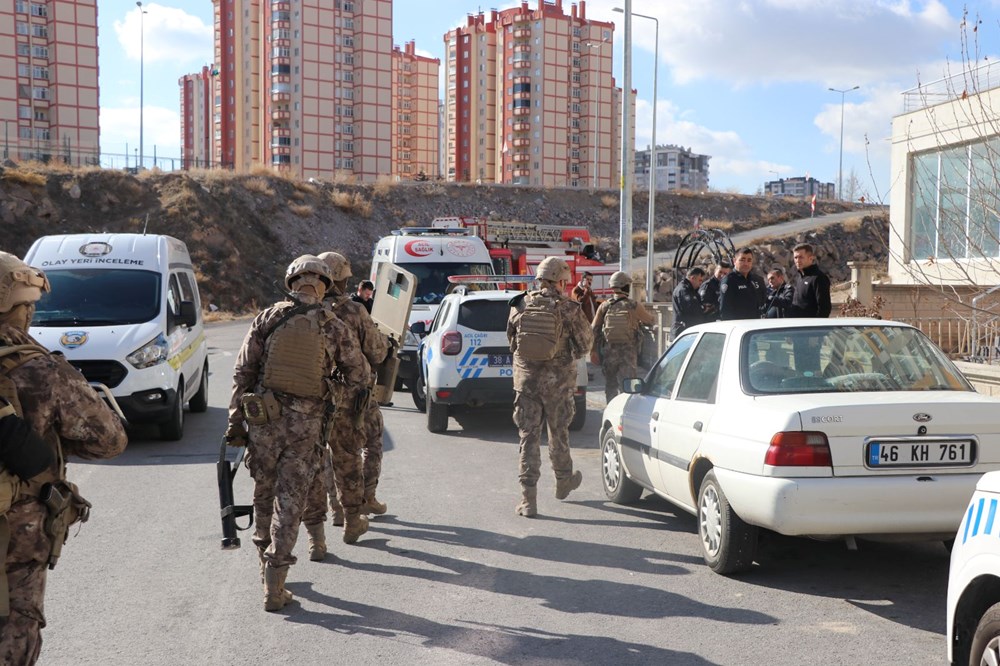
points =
(828, 428)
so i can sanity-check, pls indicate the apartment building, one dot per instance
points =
(304, 86)
(677, 168)
(800, 186)
(530, 98)
(415, 114)
(196, 119)
(48, 80)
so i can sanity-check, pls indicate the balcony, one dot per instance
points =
(281, 115)
(523, 111)
(281, 97)
(521, 142)
(522, 79)
(522, 95)
(281, 150)
(522, 33)
(280, 132)
(520, 64)
(521, 173)
(522, 48)
(522, 127)
(520, 157)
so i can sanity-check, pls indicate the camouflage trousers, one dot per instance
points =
(341, 478)
(27, 556)
(619, 362)
(285, 458)
(534, 412)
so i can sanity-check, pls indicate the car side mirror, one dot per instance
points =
(633, 385)
(188, 316)
(418, 328)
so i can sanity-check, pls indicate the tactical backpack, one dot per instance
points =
(617, 328)
(540, 329)
(295, 358)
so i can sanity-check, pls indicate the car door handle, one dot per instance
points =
(698, 425)
(656, 416)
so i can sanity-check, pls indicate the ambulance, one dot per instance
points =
(432, 255)
(125, 310)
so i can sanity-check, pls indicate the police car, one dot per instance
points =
(974, 579)
(466, 362)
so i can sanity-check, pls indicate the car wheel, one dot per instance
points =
(173, 428)
(580, 417)
(617, 486)
(437, 416)
(728, 544)
(419, 393)
(199, 401)
(986, 640)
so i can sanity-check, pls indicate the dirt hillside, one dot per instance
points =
(243, 229)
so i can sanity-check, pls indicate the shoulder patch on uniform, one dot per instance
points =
(724, 287)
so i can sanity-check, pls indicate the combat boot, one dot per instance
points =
(260, 556)
(338, 516)
(372, 505)
(355, 524)
(317, 541)
(528, 506)
(276, 596)
(565, 486)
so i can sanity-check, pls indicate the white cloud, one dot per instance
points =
(120, 126)
(169, 35)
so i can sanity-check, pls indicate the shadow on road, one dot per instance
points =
(505, 645)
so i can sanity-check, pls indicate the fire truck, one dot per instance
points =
(516, 248)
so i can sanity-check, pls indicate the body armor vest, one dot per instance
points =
(539, 330)
(617, 327)
(295, 358)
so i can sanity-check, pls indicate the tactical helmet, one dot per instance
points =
(619, 279)
(553, 269)
(307, 264)
(19, 282)
(340, 267)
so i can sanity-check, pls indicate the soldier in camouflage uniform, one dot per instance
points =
(619, 355)
(546, 348)
(351, 475)
(284, 387)
(51, 412)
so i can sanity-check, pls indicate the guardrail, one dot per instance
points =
(962, 338)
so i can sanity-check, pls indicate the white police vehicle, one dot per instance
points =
(974, 579)
(465, 358)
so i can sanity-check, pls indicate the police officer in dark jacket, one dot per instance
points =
(779, 295)
(811, 285)
(709, 291)
(741, 294)
(688, 309)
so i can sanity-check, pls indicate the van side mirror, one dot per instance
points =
(188, 316)
(633, 385)
(418, 328)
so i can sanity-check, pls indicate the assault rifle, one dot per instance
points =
(230, 510)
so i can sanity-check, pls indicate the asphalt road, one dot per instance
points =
(451, 576)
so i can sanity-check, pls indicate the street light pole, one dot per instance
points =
(625, 194)
(840, 169)
(142, 63)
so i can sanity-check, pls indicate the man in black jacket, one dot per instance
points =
(779, 295)
(688, 309)
(811, 285)
(709, 291)
(741, 293)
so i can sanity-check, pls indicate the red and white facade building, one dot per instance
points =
(531, 100)
(48, 80)
(197, 150)
(415, 113)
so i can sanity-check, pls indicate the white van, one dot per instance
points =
(124, 309)
(432, 255)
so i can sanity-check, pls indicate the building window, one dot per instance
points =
(40, 51)
(23, 69)
(22, 28)
(42, 133)
(23, 49)
(40, 93)
(40, 72)
(21, 7)
(39, 30)
(24, 112)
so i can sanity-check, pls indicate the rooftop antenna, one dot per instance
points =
(145, 224)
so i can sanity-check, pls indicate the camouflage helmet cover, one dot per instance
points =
(307, 264)
(339, 265)
(619, 279)
(19, 282)
(553, 269)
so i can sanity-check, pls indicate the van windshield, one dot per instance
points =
(99, 297)
(432, 278)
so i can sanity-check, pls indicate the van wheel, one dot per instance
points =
(419, 393)
(199, 401)
(437, 416)
(173, 428)
(580, 417)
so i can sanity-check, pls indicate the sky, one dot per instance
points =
(743, 81)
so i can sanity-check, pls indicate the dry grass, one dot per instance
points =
(384, 186)
(853, 224)
(354, 202)
(24, 177)
(304, 188)
(302, 210)
(258, 185)
(724, 225)
(433, 189)
(344, 178)
(609, 201)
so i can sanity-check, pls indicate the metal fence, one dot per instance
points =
(969, 81)
(977, 341)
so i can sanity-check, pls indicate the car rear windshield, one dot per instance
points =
(99, 297)
(432, 278)
(846, 358)
(484, 315)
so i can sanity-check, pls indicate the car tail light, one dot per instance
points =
(799, 449)
(451, 343)
(443, 395)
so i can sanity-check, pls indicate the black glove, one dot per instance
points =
(22, 451)
(236, 435)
